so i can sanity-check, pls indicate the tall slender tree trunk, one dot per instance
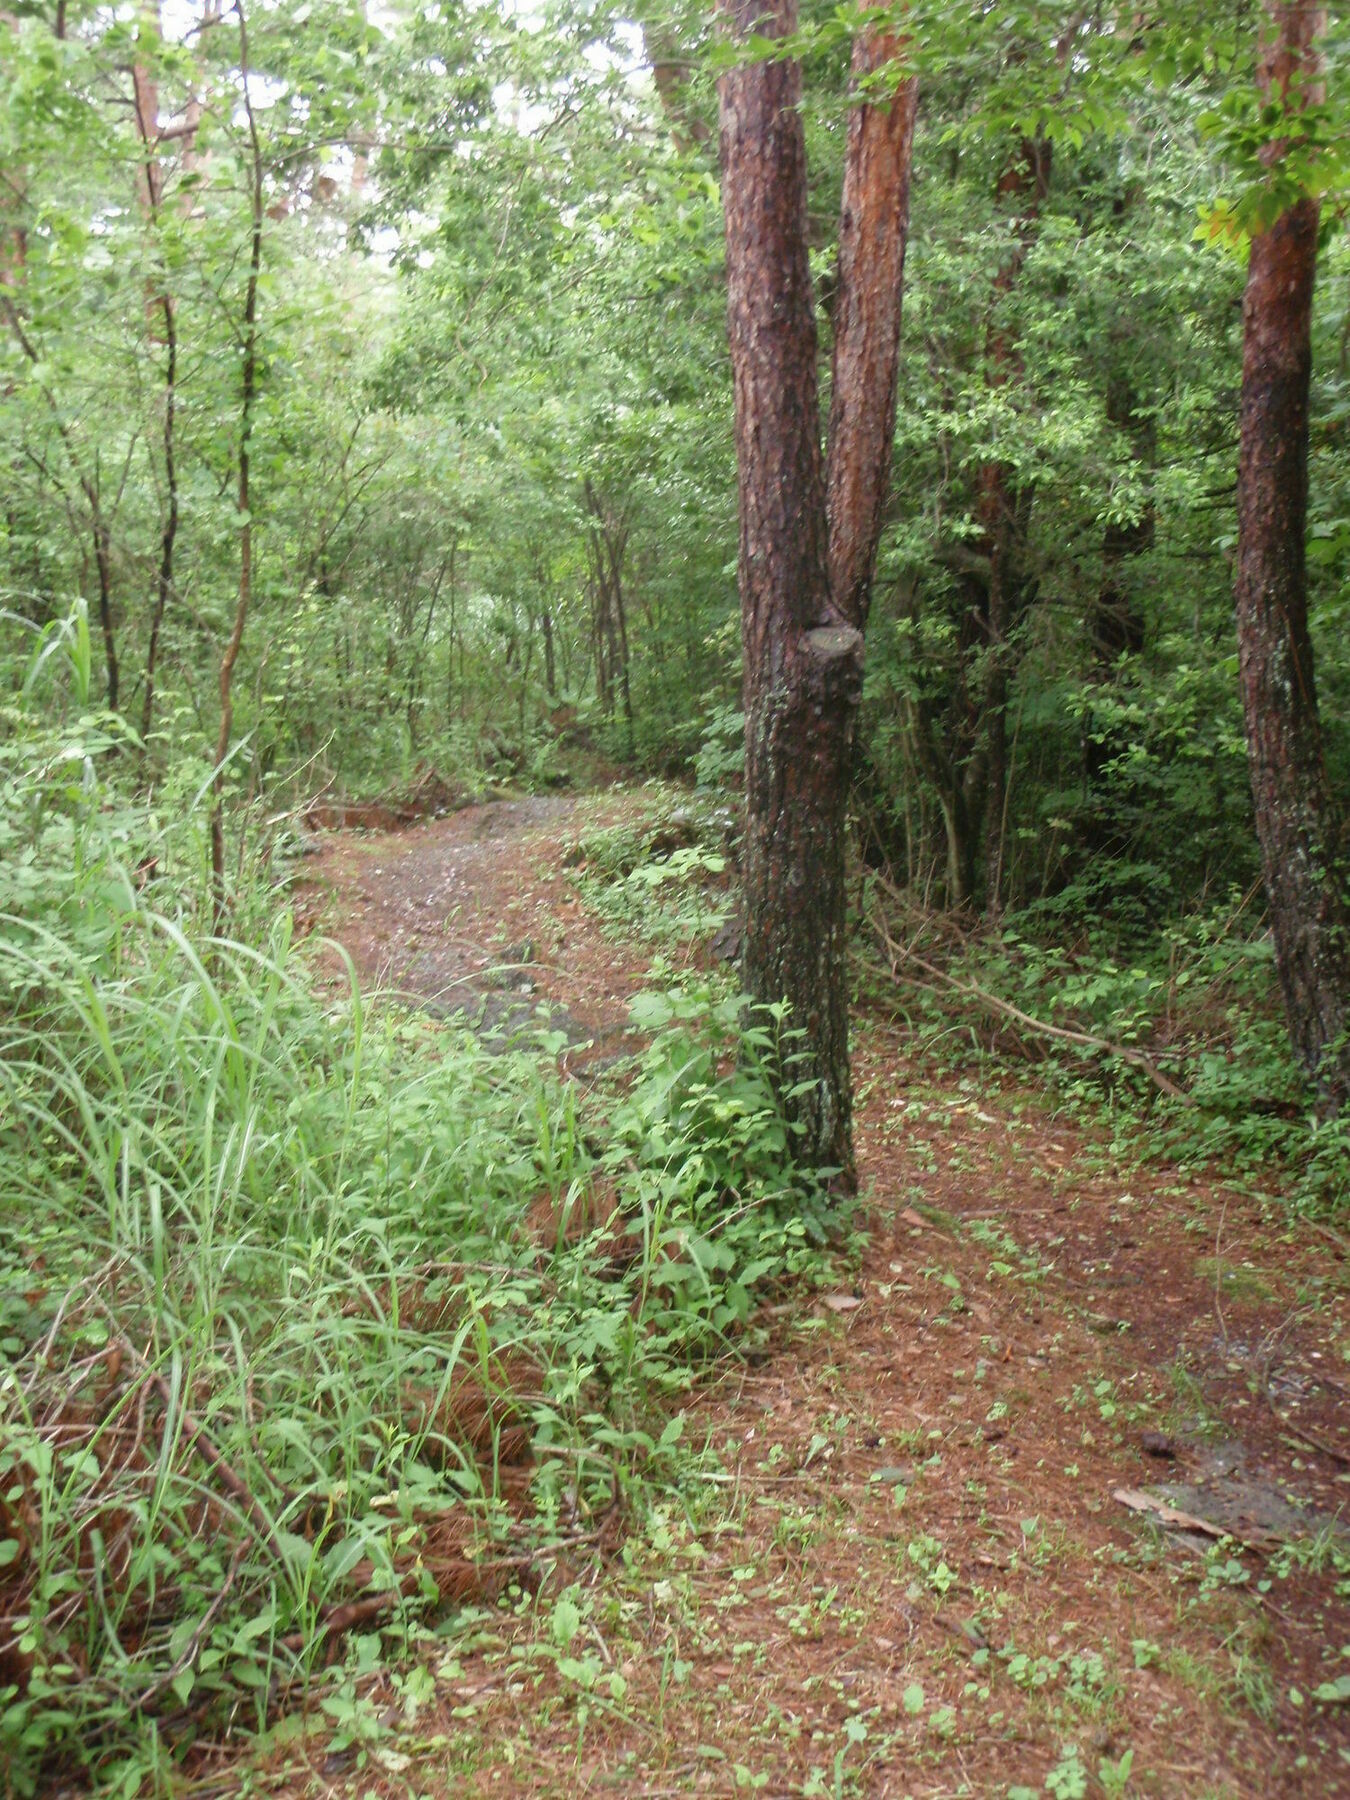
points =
(803, 646)
(248, 394)
(1115, 621)
(1297, 822)
(103, 563)
(161, 313)
(1024, 183)
(550, 666)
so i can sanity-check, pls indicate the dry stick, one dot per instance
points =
(188, 1655)
(198, 1438)
(202, 1442)
(335, 1619)
(341, 1617)
(1299, 1434)
(1334, 1238)
(1060, 1032)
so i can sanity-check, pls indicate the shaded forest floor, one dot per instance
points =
(925, 1545)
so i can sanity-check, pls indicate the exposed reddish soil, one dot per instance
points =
(479, 908)
(902, 1567)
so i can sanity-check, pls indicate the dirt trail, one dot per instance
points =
(906, 1568)
(473, 915)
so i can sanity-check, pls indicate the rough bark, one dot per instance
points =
(803, 648)
(873, 231)
(1300, 833)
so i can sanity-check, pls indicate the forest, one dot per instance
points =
(674, 898)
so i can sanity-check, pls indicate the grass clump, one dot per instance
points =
(312, 1317)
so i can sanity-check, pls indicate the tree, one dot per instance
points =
(805, 567)
(1302, 852)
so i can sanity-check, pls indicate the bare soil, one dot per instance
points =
(928, 1551)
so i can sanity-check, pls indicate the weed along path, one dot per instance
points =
(1045, 1494)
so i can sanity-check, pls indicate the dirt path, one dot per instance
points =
(474, 915)
(904, 1565)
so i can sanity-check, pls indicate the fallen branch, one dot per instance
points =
(188, 1654)
(1299, 1435)
(1061, 1033)
(200, 1440)
(334, 1620)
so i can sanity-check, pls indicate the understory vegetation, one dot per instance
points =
(310, 1315)
(366, 433)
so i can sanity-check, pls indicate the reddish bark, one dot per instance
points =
(1300, 833)
(803, 647)
(803, 664)
(873, 231)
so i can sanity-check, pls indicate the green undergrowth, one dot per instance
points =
(663, 878)
(1193, 1007)
(310, 1313)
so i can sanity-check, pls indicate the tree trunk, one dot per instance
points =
(103, 563)
(670, 64)
(873, 232)
(1302, 853)
(803, 648)
(1115, 623)
(248, 392)
(550, 667)
(159, 305)
(1025, 181)
(803, 663)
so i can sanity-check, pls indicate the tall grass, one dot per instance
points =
(310, 1314)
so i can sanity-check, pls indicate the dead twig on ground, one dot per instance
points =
(899, 953)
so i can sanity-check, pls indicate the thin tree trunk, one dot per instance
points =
(1025, 180)
(103, 563)
(550, 668)
(249, 379)
(1297, 822)
(160, 303)
(1115, 622)
(670, 65)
